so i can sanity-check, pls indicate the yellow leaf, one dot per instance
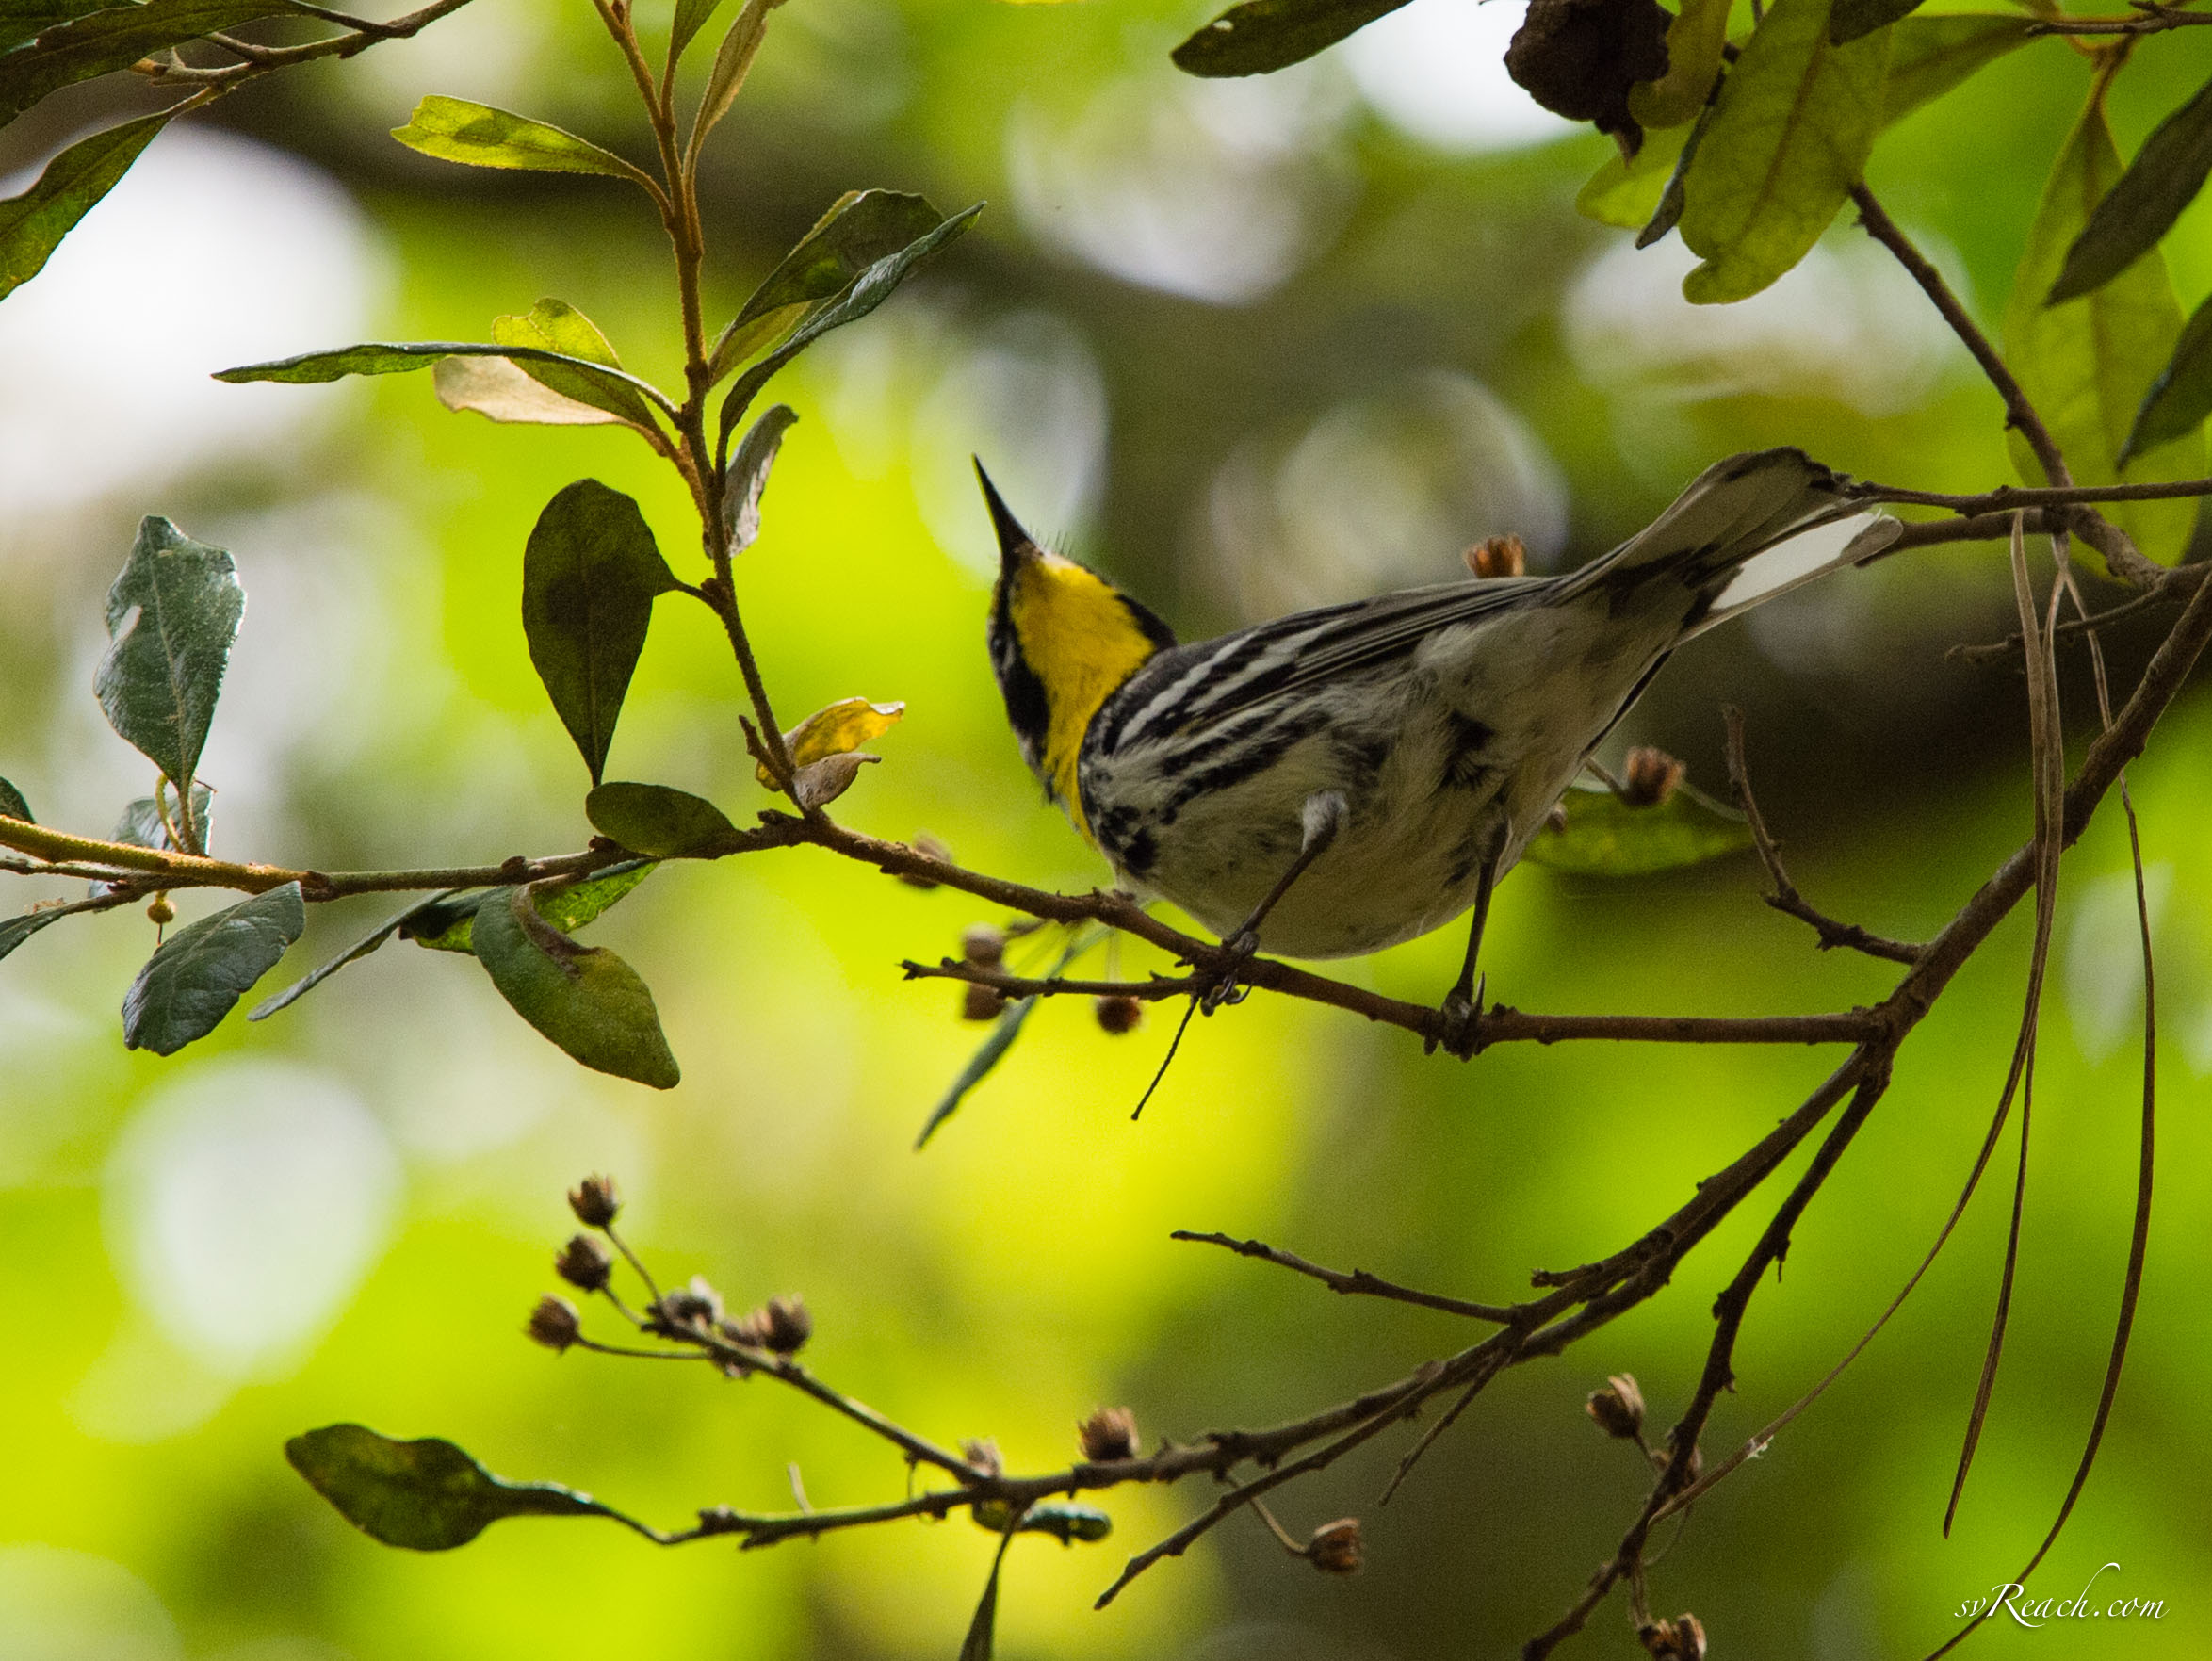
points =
(845, 724)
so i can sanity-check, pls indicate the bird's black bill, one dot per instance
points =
(1011, 537)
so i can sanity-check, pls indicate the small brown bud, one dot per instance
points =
(1109, 1434)
(595, 1200)
(750, 1329)
(1679, 1639)
(695, 1304)
(554, 1323)
(982, 1453)
(788, 1323)
(1335, 1547)
(1618, 1408)
(1649, 777)
(981, 1003)
(1555, 821)
(160, 912)
(1498, 556)
(926, 844)
(584, 1263)
(1118, 1012)
(983, 944)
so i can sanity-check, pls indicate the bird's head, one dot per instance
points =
(1062, 639)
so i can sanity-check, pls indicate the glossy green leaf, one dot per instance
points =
(33, 225)
(1264, 35)
(20, 20)
(201, 972)
(1852, 19)
(861, 227)
(661, 823)
(353, 954)
(454, 129)
(1790, 133)
(2089, 365)
(381, 357)
(747, 478)
(869, 290)
(691, 17)
(1929, 55)
(426, 1495)
(449, 923)
(100, 42)
(1695, 41)
(13, 805)
(1626, 193)
(1605, 836)
(557, 328)
(171, 617)
(584, 998)
(2129, 219)
(589, 576)
(14, 931)
(733, 60)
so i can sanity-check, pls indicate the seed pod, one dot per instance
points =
(160, 912)
(1336, 1548)
(697, 1303)
(1118, 1012)
(1649, 777)
(981, 1003)
(983, 944)
(595, 1200)
(1498, 556)
(788, 1323)
(585, 1262)
(554, 1324)
(1108, 1434)
(1618, 1408)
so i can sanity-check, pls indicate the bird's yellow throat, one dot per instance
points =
(1081, 641)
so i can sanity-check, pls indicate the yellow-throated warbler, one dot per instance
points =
(1346, 778)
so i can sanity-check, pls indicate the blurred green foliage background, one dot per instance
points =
(1245, 346)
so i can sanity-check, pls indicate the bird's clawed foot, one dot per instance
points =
(1459, 1021)
(1231, 988)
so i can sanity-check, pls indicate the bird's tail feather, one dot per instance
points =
(1747, 529)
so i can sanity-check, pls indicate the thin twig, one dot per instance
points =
(1357, 1283)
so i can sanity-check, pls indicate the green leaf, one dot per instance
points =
(747, 478)
(33, 225)
(454, 129)
(426, 1495)
(1695, 41)
(447, 923)
(2180, 397)
(99, 42)
(383, 357)
(662, 823)
(589, 576)
(353, 954)
(2089, 365)
(584, 998)
(861, 227)
(1850, 20)
(1605, 836)
(141, 824)
(20, 20)
(978, 1644)
(13, 805)
(1626, 193)
(869, 290)
(988, 1055)
(1790, 133)
(2164, 178)
(201, 970)
(1929, 55)
(171, 617)
(16, 930)
(1264, 35)
(691, 17)
(555, 327)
